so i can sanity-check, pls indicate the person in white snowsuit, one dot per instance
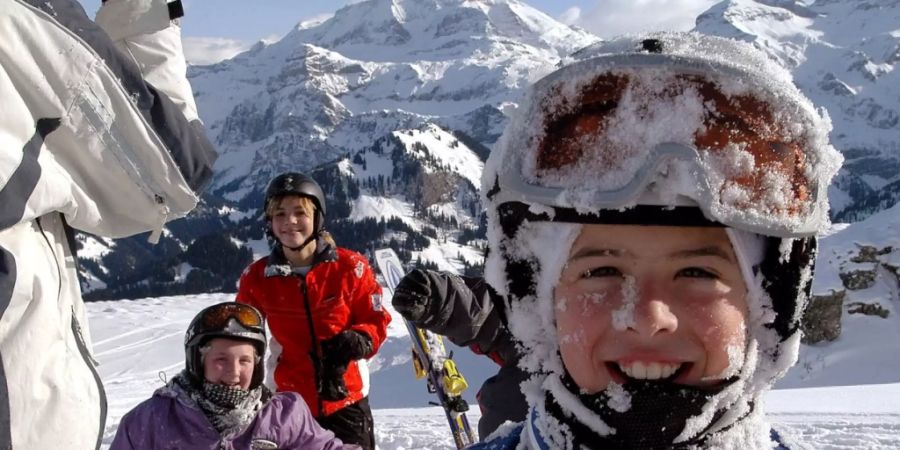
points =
(653, 208)
(98, 133)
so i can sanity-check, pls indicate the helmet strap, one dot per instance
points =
(311, 238)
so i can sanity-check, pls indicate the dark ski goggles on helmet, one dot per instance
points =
(229, 319)
(217, 317)
(621, 130)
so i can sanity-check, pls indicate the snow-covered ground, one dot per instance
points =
(139, 343)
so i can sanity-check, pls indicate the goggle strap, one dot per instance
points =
(648, 215)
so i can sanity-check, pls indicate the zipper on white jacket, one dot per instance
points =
(126, 156)
(101, 119)
(92, 366)
(103, 124)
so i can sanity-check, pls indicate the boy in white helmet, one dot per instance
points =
(652, 214)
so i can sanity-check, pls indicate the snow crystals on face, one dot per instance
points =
(736, 357)
(623, 317)
(562, 304)
(576, 336)
(588, 300)
(619, 398)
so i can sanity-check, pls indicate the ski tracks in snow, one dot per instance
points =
(414, 429)
(838, 431)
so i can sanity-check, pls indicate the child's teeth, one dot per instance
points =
(640, 370)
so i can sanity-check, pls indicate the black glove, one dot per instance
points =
(345, 347)
(412, 295)
(337, 352)
(332, 387)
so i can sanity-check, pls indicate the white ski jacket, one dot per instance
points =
(98, 132)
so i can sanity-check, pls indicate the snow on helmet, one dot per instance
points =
(295, 183)
(663, 129)
(230, 320)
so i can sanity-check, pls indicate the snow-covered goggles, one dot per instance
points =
(624, 130)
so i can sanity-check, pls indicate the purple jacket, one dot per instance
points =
(170, 420)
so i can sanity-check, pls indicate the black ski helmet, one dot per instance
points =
(229, 320)
(296, 183)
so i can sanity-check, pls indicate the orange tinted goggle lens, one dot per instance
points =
(736, 120)
(218, 317)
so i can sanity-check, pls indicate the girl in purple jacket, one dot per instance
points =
(219, 401)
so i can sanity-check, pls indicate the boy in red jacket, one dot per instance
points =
(323, 306)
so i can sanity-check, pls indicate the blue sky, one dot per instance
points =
(217, 29)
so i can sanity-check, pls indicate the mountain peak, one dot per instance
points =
(383, 29)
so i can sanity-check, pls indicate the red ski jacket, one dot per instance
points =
(338, 293)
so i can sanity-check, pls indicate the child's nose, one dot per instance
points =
(653, 314)
(233, 369)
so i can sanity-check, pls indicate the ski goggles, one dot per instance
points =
(218, 317)
(616, 131)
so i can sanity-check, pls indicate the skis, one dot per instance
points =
(430, 359)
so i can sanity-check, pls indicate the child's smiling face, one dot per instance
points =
(651, 302)
(229, 362)
(292, 220)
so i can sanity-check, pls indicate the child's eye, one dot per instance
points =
(597, 272)
(695, 272)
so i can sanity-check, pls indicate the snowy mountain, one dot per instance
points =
(843, 54)
(387, 101)
(373, 68)
(392, 104)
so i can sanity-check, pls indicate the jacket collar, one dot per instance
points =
(278, 265)
(533, 434)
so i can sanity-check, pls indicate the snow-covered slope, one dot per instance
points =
(841, 395)
(861, 260)
(139, 344)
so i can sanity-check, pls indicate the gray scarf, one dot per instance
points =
(229, 410)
